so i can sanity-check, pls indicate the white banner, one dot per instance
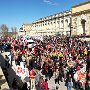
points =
(22, 72)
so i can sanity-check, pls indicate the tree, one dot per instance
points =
(14, 31)
(4, 30)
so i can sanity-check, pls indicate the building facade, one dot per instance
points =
(72, 22)
(55, 24)
(81, 19)
(25, 29)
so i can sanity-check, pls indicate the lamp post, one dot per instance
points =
(71, 27)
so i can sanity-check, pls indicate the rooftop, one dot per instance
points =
(81, 4)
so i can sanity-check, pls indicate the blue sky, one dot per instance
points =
(14, 13)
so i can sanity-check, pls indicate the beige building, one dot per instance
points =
(75, 22)
(81, 19)
(25, 29)
(55, 24)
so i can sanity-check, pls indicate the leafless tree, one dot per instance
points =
(4, 30)
(14, 31)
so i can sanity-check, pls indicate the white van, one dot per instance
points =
(30, 43)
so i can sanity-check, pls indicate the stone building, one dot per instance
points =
(55, 24)
(25, 29)
(73, 22)
(81, 19)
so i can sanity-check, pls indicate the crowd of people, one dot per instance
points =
(67, 59)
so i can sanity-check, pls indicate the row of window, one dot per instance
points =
(50, 23)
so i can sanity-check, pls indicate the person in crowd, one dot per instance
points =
(69, 83)
(15, 84)
(24, 87)
(37, 82)
(6, 74)
(50, 72)
(5, 47)
(1, 46)
(6, 61)
(57, 87)
(65, 57)
(42, 86)
(46, 84)
(61, 74)
(88, 85)
(57, 76)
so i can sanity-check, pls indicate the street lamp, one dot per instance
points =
(71, 29)
(70, 25)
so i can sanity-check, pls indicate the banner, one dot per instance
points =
(22, 72)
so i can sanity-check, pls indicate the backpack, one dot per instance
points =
(43, 87)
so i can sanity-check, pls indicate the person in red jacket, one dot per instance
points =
(46, 84)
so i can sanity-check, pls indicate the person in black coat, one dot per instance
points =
(24, 87)
(15, 84)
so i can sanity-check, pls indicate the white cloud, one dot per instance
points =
(50, 2)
